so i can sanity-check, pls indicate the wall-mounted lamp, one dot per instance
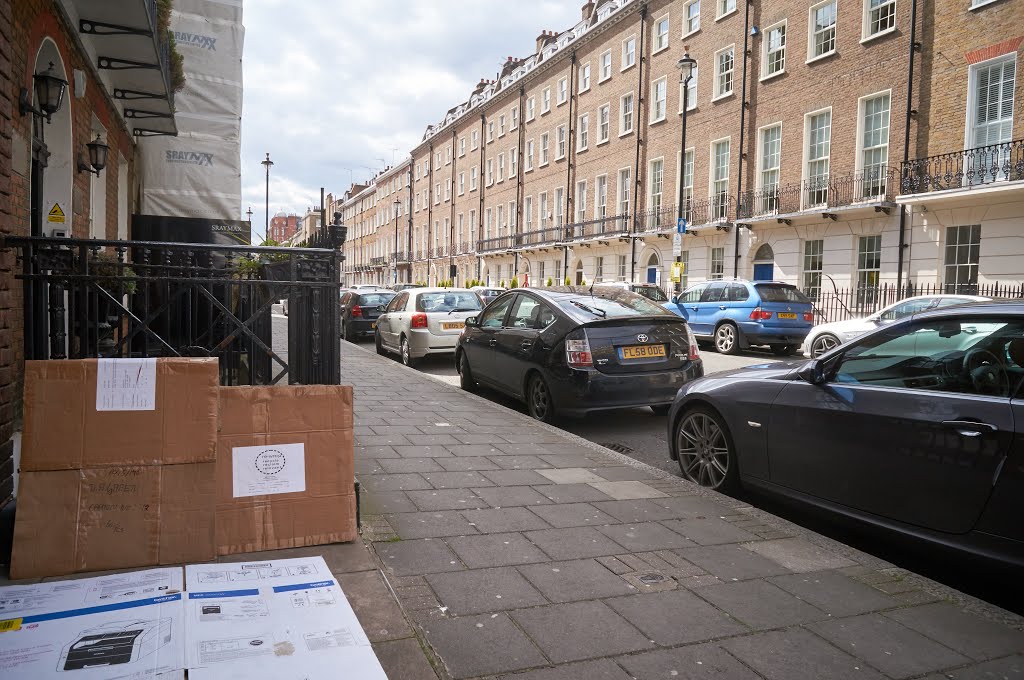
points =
(49, 92)
(754, 30)
(97, 157)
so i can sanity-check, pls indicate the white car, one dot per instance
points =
(826, 336)
(424, 321)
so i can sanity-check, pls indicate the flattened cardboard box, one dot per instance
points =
(319, 417)
(112, 518)
(64, 431)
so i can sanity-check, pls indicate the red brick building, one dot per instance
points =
(283, 226)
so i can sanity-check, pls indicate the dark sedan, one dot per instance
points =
(571, 351)
(359, 311)
(917, 428)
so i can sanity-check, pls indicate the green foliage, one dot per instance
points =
(116, 278)
(501, 284)
(515, 282)
(549, 282)
(163, 20)
(568, 281)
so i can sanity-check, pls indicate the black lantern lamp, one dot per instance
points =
(97, 157)
(49, 92)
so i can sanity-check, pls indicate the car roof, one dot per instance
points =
(990, 308)
(417, 291)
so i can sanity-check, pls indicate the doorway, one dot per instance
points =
(579, 272)
(764, 263)
(653, 269)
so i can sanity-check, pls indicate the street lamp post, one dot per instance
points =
(249, 215)
(266, 164)
(686, 66)
(397, 204)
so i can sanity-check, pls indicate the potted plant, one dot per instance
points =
(549, 282)
(515, 282)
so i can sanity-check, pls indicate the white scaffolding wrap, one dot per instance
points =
(192, 175)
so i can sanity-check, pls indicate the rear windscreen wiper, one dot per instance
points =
(595, 312)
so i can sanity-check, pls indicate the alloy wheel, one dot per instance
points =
(725, 338)
(823, 343)
(704, 455)
(539, 400)
(404, 349)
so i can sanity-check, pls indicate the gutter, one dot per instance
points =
(743, 128)
(642, 56)
(906, 142)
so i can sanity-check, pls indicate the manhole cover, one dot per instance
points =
(651, 578)
(621, 448)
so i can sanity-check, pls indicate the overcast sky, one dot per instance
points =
(336, 90)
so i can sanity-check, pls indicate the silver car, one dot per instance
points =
(424, 321)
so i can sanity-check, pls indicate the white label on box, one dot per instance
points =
(270, 469)
(126, 385)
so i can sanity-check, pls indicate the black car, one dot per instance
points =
(571, 351)
(359, 311)
(916, 428)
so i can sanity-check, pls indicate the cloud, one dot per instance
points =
(337, 89)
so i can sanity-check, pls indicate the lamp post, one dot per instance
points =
(266, 163)
(686, 66)
(248, 214)
(397, 204)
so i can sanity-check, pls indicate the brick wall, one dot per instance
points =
(9, 299)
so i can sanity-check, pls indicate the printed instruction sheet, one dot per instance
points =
(278, 619)
(126, 385)
(263, 470)
(121, 627)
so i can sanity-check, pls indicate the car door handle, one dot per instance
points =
(492, 342)
(970, 428)
(721, 306)
(526, 344)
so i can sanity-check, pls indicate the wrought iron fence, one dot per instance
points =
(656, 219)
(832, 303)
(966, 169)
(867, 186)
(540, 237)
(99, 298)
(611, 225)
(490, 245)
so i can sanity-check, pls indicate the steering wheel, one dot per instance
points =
(986, 372)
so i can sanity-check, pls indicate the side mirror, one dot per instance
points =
(812, 373)
(675, 299)
(471, 321)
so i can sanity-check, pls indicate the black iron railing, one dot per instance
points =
(490, 245)
(99, 298)
(378, 261)
(656, 219)
(872, 186)
(968, 169)
(610, 226)
(540, 237)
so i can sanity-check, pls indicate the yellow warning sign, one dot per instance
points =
(10, 625)
(677, 271)
(56, 214)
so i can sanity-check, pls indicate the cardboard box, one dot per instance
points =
(285, 469)
(113, 517)
(64, 430)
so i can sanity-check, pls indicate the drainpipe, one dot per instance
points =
(408, 236)
(519, 176)
(743, 128)
(480, 184)
(641, 55)
(430, 204)
(570, 152)
(451, 222)
(906, 141)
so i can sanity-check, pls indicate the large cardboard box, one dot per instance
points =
(113, 517)
(64, 430)
(285, 469)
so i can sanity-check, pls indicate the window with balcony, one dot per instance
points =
(606, 66)
(691, 24)
(529, 156)
(768, 174)
(543, 208)
(563, 90)
(659, 99)
(544, 149)
(822, 33)
(724, 70)
(869, 266)
(583, 133)
(659, 40)
(581, 200)
(559, 206)
(814, 257)
(528, 213)
(624, 191)
(990, 113)
(601, 197)
(545, 100)
(688, 186)
(531, 106)
(879, 17)
(488, 218)
(562, 142)
(819, 145)
(773, 56)
(717, 270)
(963, 249)
(720, 179)
(628, 52)
(874, 145)
(656, 190)
(625, 114)
(604, 125)
(584, 77)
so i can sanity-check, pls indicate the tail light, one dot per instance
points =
(760, 315)
(419, 320)
(577, 353)
(694, 351)
(357, 311)
(809, 317)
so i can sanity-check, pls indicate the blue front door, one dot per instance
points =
(764, 272)
(652, 275)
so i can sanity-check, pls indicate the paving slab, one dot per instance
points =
(1007, 668)
(834, 593)
(385, 502)
(430, 524)
(573, 515)
(456, 480)
(799, 554)
(628, 490)
(675, 618)
(471, 646)
(797, 654)
(580, 630)
(574, 475)
(575, 543)
(476, 591)
(575, 580)
(892, 648)
(503, 497)
(602, 669)
(519, 462)
(636, 510)
(696, 662)
(644, 536)
(445, 499)
(425, 556)
(396, 482)
(394, 465)
(690, 507)
(732, 562)
(496, 550)
(572, 493)
(709, 531)
(462, 463)
(760, 604)
(515, 477)
(404, 659)
(501, 520)
(377, 611)
(961, 631)
(623, 473)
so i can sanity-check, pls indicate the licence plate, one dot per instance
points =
(787, 315)
(452, 325)
(633, 352)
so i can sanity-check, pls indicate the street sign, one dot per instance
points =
(677, 271)
(677, 244)
(681, 225)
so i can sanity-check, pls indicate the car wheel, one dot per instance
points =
(783, 350)
(406, 354)
(661, 409)
(727, 339)
(538, 399)
(346, 332)
(379, 344)
(706, 453)
(465, 374)
(823, 343)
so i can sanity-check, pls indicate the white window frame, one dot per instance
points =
(811, 56)
(724, 181)
(605, 60)
(581, 201)
(583, 133)
(513, 162)
(659, 39)
(542, 207)
(501, 125)
(544, 150)
(655, 200)
(859, 167)
(691, 98)
(601, 196)
(490, 131)
(528, 165)
(437, 193)
(866, 34)
(624, 189)
(766, 55)
(623, 130)
(972, 95)
(805, 171)
(563, 90)
(723, 9)
(719, 93)
(712, 261)
(473, 178)
(661, 82)
(604, 123)
(561, 142)
(501, 167)
(691, 24)
(531, 108)
(489, 177)
(462, 146)
(628, 53)
(475, 143)
(528, 213)
(514, 123)
(462, 183)
(767, 205)
(584, 78)
(969, 266)
(545, 100)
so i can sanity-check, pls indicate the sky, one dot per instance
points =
(336, 90)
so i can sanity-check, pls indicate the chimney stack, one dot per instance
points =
(587, 10)
(543, 39)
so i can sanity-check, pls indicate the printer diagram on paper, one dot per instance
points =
(115, 642)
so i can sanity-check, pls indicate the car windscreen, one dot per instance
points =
(612, 305)
(652, 293)
(464, 301)
(368, 299)
(781, 293)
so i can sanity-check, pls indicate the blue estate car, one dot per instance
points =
(738, 314)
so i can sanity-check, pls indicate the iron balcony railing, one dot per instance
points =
(656, 219)
(540, 237)
(490, 245)
(439, 251)
(875, 185)
(968, 169)
(611, 225)
(464, 248)
(378, 261)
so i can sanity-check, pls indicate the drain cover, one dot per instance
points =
(621, 448)
(651, 578)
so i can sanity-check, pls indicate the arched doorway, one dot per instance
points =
(524, 272)
(579, 272)
(52, 145)
(764, 263)
(653, 269)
